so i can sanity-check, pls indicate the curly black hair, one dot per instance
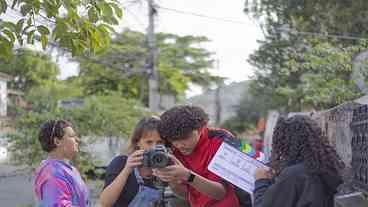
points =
(300, 139)
(179, 122)
(50, 130)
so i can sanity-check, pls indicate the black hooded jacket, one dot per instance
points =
(295, 187)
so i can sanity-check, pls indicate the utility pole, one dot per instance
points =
(153, 76)
(218, 106)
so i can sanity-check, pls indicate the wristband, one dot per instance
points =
(191, 177)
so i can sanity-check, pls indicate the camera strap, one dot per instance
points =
(139, 178)
(146, 197)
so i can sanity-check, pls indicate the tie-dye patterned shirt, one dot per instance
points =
(58, 184)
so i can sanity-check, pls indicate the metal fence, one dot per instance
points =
(359, 144)
(347, 134)
(335, 123)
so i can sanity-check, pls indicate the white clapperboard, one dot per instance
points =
(235, 167)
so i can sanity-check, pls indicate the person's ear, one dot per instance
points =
(57, 141)
(200, 130)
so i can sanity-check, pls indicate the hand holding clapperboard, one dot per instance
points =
(235, 166)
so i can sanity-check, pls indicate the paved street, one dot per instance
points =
(15, 186)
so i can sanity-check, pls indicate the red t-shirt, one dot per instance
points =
(198, 162)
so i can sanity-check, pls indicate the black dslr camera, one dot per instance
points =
(157, 157)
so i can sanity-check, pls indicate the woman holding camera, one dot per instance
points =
(127, 182)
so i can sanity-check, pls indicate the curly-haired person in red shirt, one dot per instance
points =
(194, 145)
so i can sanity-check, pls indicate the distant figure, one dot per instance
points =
(57, 182)
(306, 169)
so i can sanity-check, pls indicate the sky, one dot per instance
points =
(231, 41)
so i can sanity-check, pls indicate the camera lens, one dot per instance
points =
(159, 160)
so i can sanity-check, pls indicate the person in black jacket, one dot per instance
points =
(127, 182)
(305, 168)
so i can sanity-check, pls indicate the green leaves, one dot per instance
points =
(93, 15)
(19, 26)
(299, 70)
(14, 3)
(71, 31)
(3, 6)
(29, 69)
(7, 39)
(25, 9)
(10, 35)
(6, 47)
(174, 81)
(121, 68)
(117, 9)
(43, 30)
(316, 78)
(99, 117)
(35, 74)
(44, 41)
(108, 11)
(30, 37)
(326, 78)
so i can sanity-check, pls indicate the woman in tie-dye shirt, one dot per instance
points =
(57, 182)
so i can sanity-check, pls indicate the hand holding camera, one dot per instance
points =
(174, 173)
(134, 160)
(165, 166)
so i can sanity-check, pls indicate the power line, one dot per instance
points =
(140, 23)
(292, 31)
(338, 36)
(202, 15)
(129, 3)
